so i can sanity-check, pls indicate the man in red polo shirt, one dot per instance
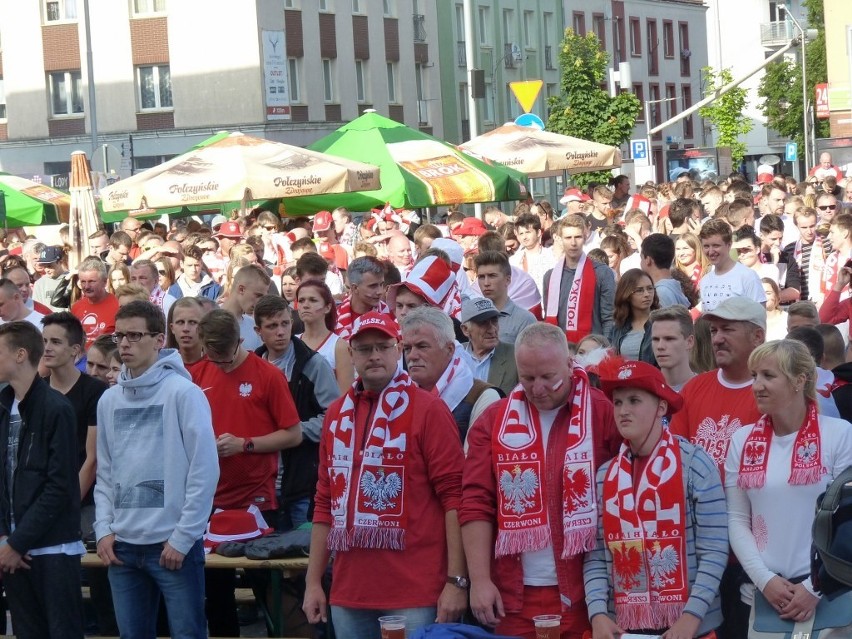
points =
(97, 308)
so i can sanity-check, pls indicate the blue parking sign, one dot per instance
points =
(791, 152)
(639, 149)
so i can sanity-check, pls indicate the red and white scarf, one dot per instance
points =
(518, 457)
(380, 518)
(346, 317)
(157, 296)
(833, 263)
(581, 298)
(806, 464)
(644, 528)
(452, 303)
(456, 380)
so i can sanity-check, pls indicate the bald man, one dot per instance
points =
(399, 253)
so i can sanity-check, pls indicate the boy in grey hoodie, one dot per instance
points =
(157, 474)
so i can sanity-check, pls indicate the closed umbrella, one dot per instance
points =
(238, 167)
(84, 214)
(540, 153)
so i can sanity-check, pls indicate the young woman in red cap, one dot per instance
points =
(662, 541)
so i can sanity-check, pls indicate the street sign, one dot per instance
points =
(526, 92)
(791, 152)
(530, 119)
(823, 110)
(639, 152)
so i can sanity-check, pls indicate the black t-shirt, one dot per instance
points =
(84, 396)
(595, 223)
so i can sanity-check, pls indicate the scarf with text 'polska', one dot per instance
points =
(581, 298)
(518, 457)
(644, 530)
(380, 518)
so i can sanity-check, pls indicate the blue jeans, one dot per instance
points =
(364, 624)
(293, 514)
(136, 588)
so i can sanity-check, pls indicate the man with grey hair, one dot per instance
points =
(146, 274)
(492, 360)
(97, 308)
(529, 508)
(436, 362)
(366, 286)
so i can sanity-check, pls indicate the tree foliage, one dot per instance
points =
(781, 85)
(727, 113)
(584, 109)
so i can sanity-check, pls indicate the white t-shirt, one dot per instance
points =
(251, 340)
(33, 318)
(539, 565)
(536, 264)
(740, 280)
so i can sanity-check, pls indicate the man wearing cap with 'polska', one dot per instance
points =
(662, 541)
(389, 487)
(720, 402)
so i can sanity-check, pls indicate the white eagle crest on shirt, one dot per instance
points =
(714, 436)
(245, 389)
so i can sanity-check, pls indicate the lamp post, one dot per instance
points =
(802, 42)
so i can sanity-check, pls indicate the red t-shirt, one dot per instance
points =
(251, 401)
(97, 319)
(713, 410)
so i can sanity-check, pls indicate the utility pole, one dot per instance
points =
(90, 70)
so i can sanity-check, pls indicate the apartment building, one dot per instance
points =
(169, 73)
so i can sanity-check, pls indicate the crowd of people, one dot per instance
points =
(620, 411)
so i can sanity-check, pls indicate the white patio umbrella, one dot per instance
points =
(83, 218)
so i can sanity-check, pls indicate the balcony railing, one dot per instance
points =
(548, 57)
(419, 27)
(776, 34)
(461, 54)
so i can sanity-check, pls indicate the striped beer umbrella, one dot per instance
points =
(27, 203)
(418, 170)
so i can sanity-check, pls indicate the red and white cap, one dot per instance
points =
(234, 525)
(640, 202)
(375, 321)
(430, 278)
(322, 222)
(765, 173)
(572, 194)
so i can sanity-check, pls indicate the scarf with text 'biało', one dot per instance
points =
(380, 516)
(644, 530)
(518, 456)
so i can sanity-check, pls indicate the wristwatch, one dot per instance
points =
(459, 582)
(248, 445)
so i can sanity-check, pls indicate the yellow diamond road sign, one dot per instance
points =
(526, 92)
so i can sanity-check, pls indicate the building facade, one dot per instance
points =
(169, 73)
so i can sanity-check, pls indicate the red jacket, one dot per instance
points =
(833, 311)
(414, 577)
(479, 495)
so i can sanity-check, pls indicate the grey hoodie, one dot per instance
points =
(157, 461)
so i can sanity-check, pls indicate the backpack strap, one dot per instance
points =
(477, 389)
(823, 528)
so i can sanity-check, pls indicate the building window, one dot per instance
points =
(291, 4)
(599, 27)
(60, 10)
(356, 6)
(671, 101)
(578, 21)
(508, 25)
(328, 80)
(639, 92)
(295, 74)
(686, 102)
(2, 99)
(324, 5)
(529, 30)
(668, 39)
(155, 87)
(66, 93)
(484, 18)
(389, 7)
(653, 48)
(685, 53)
(635, 37)
(360, 81)
(143, 7)
(654, 99)
(488, 104)
(422, 102)
(392, 97)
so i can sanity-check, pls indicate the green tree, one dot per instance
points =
(727, 113)
(781, 85)
(585, 110)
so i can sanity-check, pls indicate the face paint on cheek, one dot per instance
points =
(557, 385)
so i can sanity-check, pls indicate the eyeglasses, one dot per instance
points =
(161, 271)
(225, 362)
(132, 336)
(270, 228)
(643, 289)
(827, 207)
(368, 349)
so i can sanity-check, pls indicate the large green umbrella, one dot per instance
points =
(27, 203)
(417, 170)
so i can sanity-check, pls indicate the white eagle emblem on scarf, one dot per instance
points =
(518, 487)
(380, 489)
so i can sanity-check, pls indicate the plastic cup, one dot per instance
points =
(547, 626)
(393, 626)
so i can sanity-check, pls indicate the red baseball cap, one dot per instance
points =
(375, 321)
(229, 229)
(325, 249)
(322, 222)
(470, 226)
(634, 374)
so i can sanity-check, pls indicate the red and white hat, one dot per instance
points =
(430, 278)
(765, 173)
(375, 321)
(634, 374)
(322, 222)
(573, 194)
(470, 226)
(234, 525)
(640, 202)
